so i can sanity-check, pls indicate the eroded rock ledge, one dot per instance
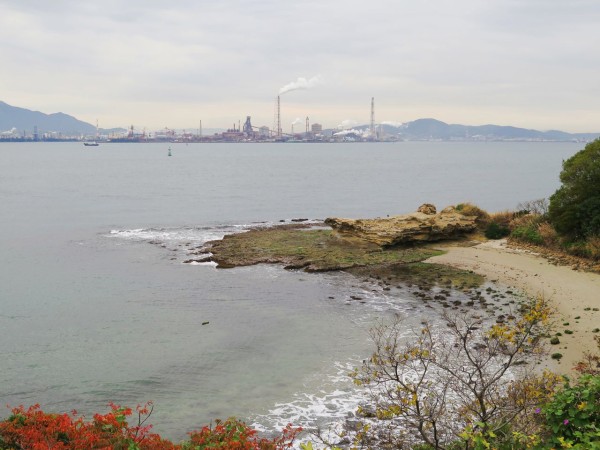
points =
(424, 225)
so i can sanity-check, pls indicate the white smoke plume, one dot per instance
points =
(301, 83)
(348, 123)
(12, 131)
(298, 121)
(363, 133)
(392, 123)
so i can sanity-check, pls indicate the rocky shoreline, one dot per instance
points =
(362, 248)
(399, 251)
(340, 244)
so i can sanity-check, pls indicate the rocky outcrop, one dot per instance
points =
(427, 208)
(422, 226)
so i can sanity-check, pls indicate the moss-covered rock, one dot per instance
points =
(311, 249)
(423, 274)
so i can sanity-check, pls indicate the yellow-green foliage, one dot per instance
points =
(458, 386)
(525, 228)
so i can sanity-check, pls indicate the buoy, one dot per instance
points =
(169, 151)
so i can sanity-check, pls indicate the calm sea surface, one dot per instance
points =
(96, 304)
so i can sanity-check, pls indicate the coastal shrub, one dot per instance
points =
(577, 248)
(573, 415)
(555, 340)
(33, 428)
(548, 234)
(503, 218)
(457, 385)
(524, 220)
(529, 234)
(496, 231)
(574, 208)
(592, 245)
(234, 434)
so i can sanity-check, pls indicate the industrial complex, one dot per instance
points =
(301, 131)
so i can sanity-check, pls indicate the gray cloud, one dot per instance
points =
(528, 62)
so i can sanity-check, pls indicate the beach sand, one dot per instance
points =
(570, 292)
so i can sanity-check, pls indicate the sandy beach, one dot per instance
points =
(574, 294)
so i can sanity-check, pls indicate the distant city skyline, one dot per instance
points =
(153, 64)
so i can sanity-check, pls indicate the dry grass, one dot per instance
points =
(468, 209)
(549, 235)
(525, 220)
(503, 218)
(592, 247)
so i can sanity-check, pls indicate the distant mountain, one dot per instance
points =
(425, 129)
(25, 120)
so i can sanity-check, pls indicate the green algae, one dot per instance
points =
(424, 274)
(311, 249)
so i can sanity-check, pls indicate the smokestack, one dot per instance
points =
(373, 117)
(278, 117)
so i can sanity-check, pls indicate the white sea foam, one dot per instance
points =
(192, 234)
(327, 402)
(184, 239)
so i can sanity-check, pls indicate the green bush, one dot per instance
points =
(496, 231)
(528, 233)
(573, 415)
(574, 209)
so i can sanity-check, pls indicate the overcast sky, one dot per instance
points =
(156, 64)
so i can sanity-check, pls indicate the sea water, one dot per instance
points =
(97, 305)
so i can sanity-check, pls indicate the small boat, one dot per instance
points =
(91, 144)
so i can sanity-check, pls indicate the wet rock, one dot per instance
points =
(198, 260)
